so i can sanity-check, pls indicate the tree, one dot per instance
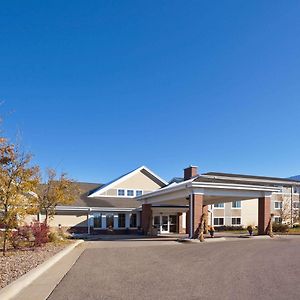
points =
(55, 191)
(286, 210)
(18, 181)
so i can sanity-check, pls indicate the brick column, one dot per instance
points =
(146, 217)
(264, 211)
(196, 208)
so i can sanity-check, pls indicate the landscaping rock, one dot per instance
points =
(19, 262)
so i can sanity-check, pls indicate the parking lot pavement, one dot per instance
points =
(249, 269)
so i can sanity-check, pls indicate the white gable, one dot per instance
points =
(139, 179)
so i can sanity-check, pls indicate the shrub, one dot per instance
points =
(40, 232)
(34, 234)
(277, 227)
(55, 236)
(23, 235)
(228, 228)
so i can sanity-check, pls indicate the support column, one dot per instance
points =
(116, 223)
(187, 222)
(127, 220)
(180, 228)
(88, 223)
(146, 218)
(264, 211)
(138, 219)
(103, 216)
(205, 210)
(196, 210)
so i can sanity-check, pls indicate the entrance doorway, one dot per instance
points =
(165, 223)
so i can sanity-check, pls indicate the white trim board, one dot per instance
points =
(90, 209)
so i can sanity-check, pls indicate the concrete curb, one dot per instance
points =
(197, 241)
(16, 286)
(227, 239)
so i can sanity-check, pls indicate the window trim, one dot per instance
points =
(121, 190)
(142, 192)
(280, 206)
(129, 190)
(236, 218)
(277, 217)
(97, 215)
(223, 207)
(219, 218)
(236, 207)
(126, 192)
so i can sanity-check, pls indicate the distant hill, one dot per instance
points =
(296, 177)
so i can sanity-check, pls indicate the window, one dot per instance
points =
(121, 220)
(98, 221)
(138, 193)
(236, 204)
(110, 221)
(218, 221)
(219, 205)
(278, 220)
(295, 190)
(236, 221)
(130, 193)
(296, 204)
(121, 192)
(278, 205)
(133, 220)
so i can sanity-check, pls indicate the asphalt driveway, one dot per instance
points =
(255, 269)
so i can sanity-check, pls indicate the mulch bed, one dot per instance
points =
(18, 262)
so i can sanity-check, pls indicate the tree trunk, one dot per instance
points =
(5, 242)
(46, 217)
(5, 231)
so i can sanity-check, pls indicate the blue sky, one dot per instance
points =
(97, 88)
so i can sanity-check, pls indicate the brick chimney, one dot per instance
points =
(190, 172)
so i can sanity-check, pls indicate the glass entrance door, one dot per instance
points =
(156, 222)
(161, 222)
(165, 223)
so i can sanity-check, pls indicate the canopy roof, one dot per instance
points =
(214, 190)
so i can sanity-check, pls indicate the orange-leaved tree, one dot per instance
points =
(57, 190)
(18, 182)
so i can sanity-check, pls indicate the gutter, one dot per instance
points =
(268, 181)
(90, 209)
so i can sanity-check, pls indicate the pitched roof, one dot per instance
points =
(296, 177)
(83, 199)
(249, 178)
(176, 180)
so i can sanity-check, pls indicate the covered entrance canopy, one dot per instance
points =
(202, 190)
